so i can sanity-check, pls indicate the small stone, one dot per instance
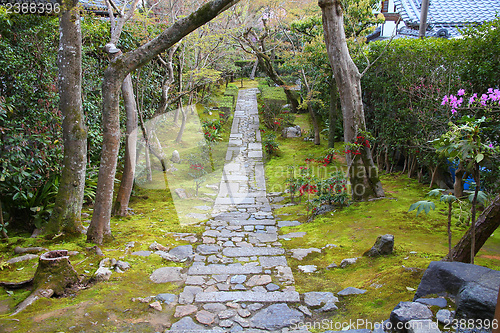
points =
(205, 317)
(220, 277)
(211, 289)
(166, 274)
(184, 310)
(332, 266)
(244, 313)
(308, 268)
(239, 286)
(186, 324)
(259, 289)
(167, 298)
(123, 265)
(238, 278)
(188, 294)
(214, 307)
(272, 287)
(156, 305)
(223, 286)
(444, 316)
(157, 247)
(258, 280)
(208, 240)
(226, 323)
(233, 305)
(195, 280)
(142, 253)
(351, 291)
(241, 321)
(347, 262)
(175, 157)
(103, 274)
(227, 314)
(255, 306)
(305, 310)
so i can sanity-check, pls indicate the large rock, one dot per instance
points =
(176, 158)
(384, 245)
(182, 252)
(291, 132)
(406, 311)
(475, 288)
(167, 274)
(275, 317)
(186, 324)
(325, 300)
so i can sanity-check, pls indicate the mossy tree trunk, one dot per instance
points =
(66, 216)
(332, 114)
(363, 173)
(54, 272)
(99, 229)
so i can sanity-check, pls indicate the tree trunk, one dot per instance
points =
(458, 186)
(127, 182)
(314, 119)
(365, 183)
(477, 179)
(54, 272)
(254, 69)
(2, 224)
(332, 114)
(485, 225)
(183, 123)
(66, 215)
(99, 229)
(450, 204)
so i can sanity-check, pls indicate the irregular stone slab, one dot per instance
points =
(182, 252)
(244, 313)
(284, 274)
(347, 262)
(272, 261)
(384, 245)
(300, 254)
(204, 317)
(255, 306)
(422, 326)
(167, 274)
(156, 305)
(305, 310)
(195, 280)
(272, 287)
(265, 237)
(259, 280)
(318, 298)
(188, 294)
(238, 278)
(248, 296)
(208, 249)
(197, 216)
(440, 302)
(351, 291)
(214, 307)
(185, 325)
(167, 256)
(276, 316)
(282, 224)
(221, 277)
(103, 274)
(166, 298)
(226, 323)
(21, 250)
(308, 268)
(227, 314)
(184, 310)
(252, 251)
(22, 258)
(142, 253)
(406, 311)
(236, 268)
(293, 235)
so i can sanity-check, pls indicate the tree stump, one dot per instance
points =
(54, 272)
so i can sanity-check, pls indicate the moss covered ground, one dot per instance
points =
(108, 306)
(354, 229)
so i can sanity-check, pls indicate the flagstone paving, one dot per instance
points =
(240, 279)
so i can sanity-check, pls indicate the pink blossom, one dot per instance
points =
(453, 111)
(472, 99)
(484, 98)
(445, 100)
(461, 92)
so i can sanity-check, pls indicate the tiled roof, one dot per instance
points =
(448, 12)
(99, 6)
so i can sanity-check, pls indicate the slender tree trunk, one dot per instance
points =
(485, 225)
(433, 173)
(2, 224)
(314, 119)
(458, 186)
(363, 173)
(127, 182)
(477, 179)
(99, 229)
(183, 123)
(450, 204)
(332, 114)
(66, 215)
(254, 69)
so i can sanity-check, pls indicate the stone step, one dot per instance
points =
(252, 251)
(233, 269)
(248, 296)
(253, 222)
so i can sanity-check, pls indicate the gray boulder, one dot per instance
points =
(176, 158)
(275, 317)
(291, 132)
(384, 245)
(406, 311)
(182, 252)
(475, 288)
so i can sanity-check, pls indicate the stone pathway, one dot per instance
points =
(240, 279)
